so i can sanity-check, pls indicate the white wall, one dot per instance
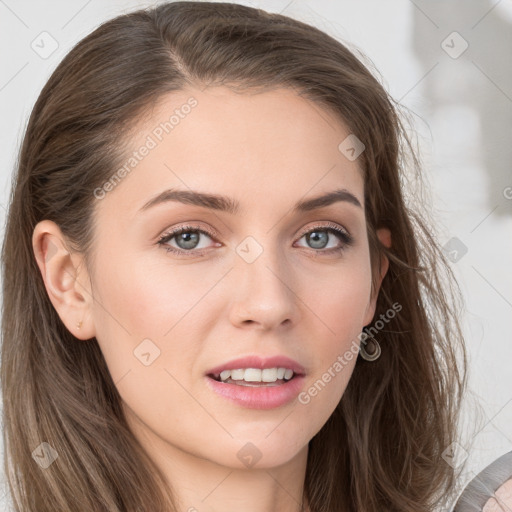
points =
(464, 121)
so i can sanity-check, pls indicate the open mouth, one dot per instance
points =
(278, 382)
(254, 377)
(257, 388)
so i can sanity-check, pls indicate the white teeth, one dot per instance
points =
(257, 375)
(237, 374)
(225, 375)
(288, 374)
(252, 375)
(269, 375)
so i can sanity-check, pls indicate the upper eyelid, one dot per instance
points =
(329, 225)
(214, 234)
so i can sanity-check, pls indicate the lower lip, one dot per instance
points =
(261, 397)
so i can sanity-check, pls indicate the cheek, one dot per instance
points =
(152, 317)
(338, 304)
(144, 299)
(148, 314)
(339, 298)
(142, 308)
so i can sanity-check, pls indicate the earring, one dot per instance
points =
(79, 324)
(369, 349)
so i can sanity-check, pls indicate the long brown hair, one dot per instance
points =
(382, 448)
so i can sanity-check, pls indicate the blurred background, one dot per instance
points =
(449, 62)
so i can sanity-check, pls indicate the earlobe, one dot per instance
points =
(63, 276)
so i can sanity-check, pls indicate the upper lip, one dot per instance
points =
(259, 362)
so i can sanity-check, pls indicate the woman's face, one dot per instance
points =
(169, 314)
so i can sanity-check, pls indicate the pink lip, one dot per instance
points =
(259, 362)
(258, 397)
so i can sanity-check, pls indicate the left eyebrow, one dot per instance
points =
(326, 200)
(229, 205)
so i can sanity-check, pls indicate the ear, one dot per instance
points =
(384, 236)
(65, 279)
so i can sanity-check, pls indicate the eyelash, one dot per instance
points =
(346, 238)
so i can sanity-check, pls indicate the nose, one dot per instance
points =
(263, 292)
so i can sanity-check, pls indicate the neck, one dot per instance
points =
(202, 485)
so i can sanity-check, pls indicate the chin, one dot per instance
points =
(259, 453)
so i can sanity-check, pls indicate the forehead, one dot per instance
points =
(257, 147)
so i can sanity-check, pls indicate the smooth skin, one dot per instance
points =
(205, 307)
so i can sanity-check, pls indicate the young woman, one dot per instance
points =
(216, 295)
